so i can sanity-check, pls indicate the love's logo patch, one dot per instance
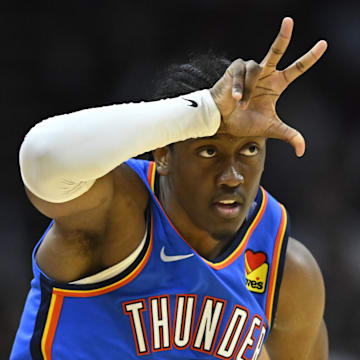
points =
(256, 269)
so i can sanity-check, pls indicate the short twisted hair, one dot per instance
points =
(201, 72)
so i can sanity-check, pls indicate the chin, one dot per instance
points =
(225, 234)
(227, 230)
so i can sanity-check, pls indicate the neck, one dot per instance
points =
(205, 244)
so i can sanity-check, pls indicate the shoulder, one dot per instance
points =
(302, 278)
(302, 290)
(301, 302)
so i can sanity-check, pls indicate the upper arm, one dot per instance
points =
(96, 230)
(299, 331)
(92, 207)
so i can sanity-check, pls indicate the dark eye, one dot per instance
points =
(250, 150)
(207, 153)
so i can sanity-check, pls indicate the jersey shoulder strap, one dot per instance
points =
(145, 170)
(265, 256)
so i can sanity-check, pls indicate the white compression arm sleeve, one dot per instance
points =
(61, 157)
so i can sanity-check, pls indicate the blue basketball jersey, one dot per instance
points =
(170, 303)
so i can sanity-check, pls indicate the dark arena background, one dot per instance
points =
(62, 56)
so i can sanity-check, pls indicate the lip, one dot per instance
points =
(227, 211)
(238, 198)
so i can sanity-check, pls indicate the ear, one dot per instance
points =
(162, 157)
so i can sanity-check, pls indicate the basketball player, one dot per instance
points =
(180, 258)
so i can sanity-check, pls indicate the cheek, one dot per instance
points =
(192, 184)
(252, 176)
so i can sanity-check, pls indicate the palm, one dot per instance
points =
(268, 89)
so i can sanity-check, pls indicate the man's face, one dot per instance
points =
(214, 180)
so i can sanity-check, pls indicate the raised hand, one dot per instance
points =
(247, 93)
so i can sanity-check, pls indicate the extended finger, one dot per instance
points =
(253, 71)
(237, 71)
(305, 62)
(280, 44)
(280, 130)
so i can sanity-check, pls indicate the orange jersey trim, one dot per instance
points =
(151, 175)
(240, 248)
(275, 264)
(51, 325)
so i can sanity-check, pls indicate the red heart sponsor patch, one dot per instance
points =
(255, 260)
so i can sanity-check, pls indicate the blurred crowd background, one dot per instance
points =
(61, 56)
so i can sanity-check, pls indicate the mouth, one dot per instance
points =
(228, 209)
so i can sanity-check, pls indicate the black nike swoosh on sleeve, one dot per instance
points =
(193, 103)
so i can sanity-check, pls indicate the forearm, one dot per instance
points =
(61, 157)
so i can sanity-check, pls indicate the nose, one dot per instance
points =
(230, 176)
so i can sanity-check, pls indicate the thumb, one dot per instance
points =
(280, 130)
